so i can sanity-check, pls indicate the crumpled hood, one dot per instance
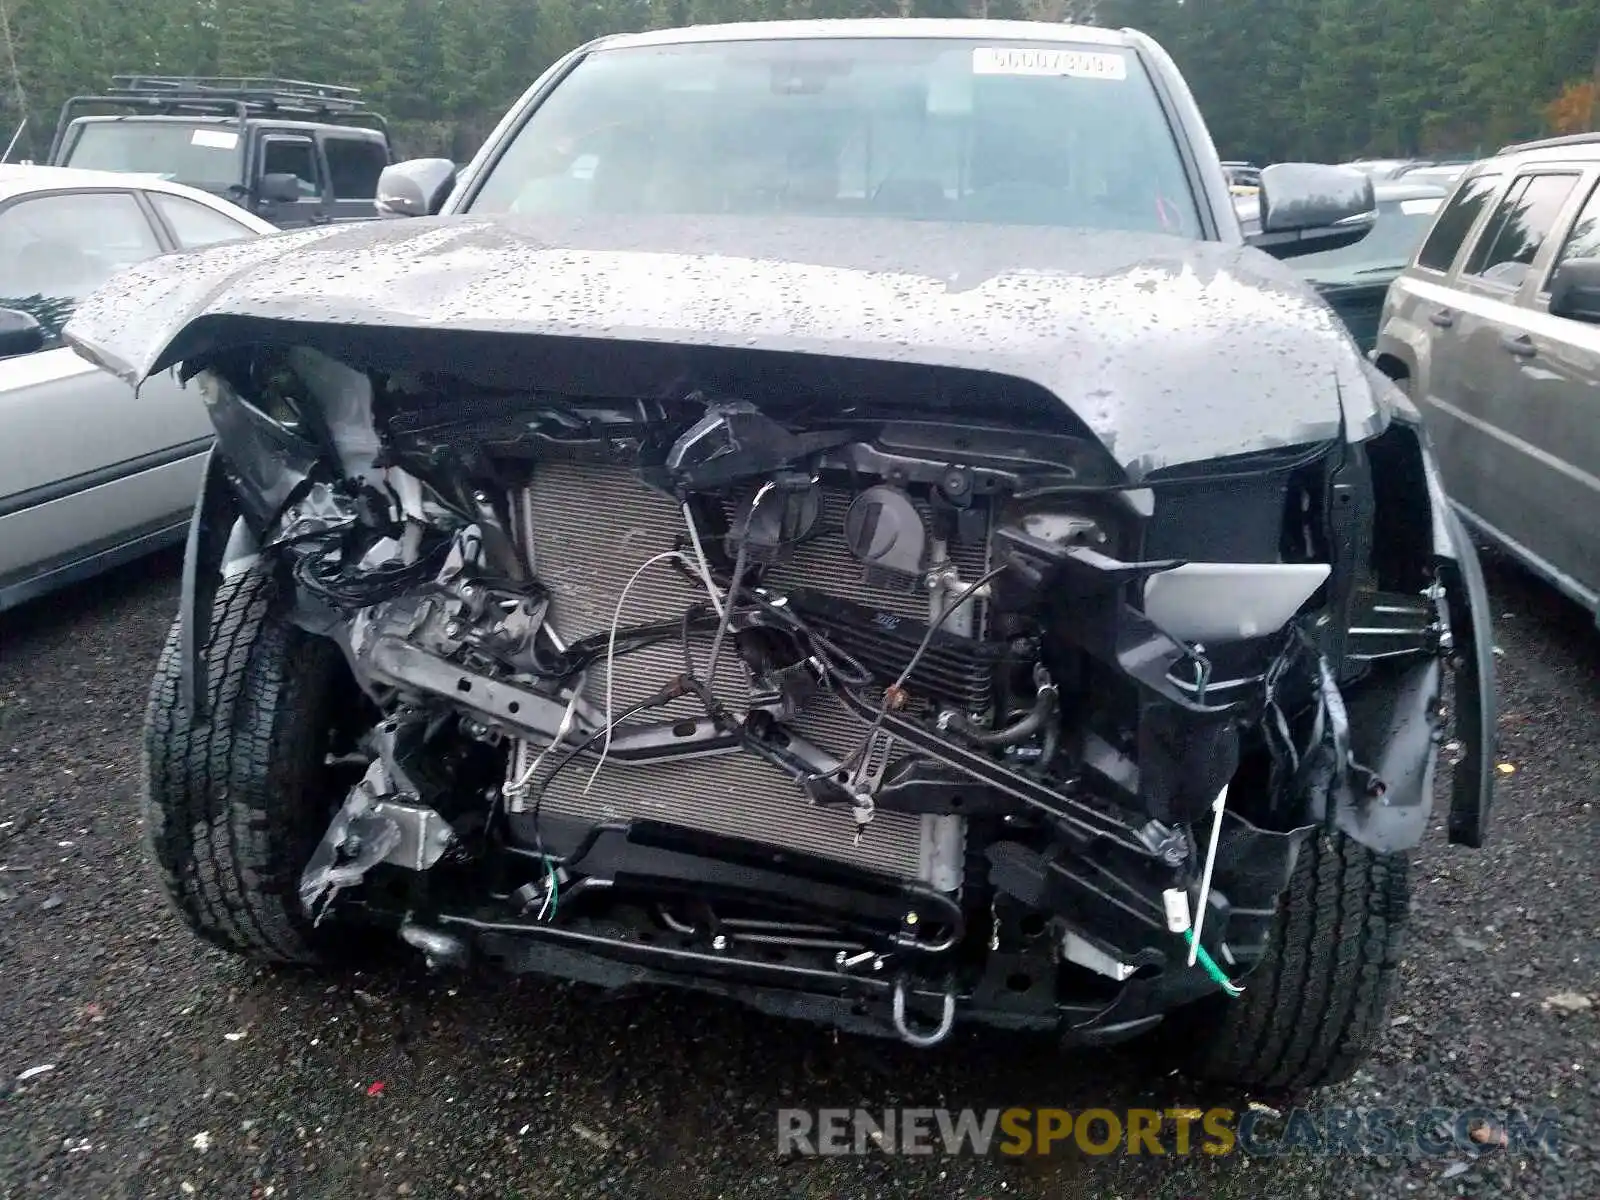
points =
(1171, 351)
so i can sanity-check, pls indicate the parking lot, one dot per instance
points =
(177, 1071)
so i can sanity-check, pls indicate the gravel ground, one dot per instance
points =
(179, 1071)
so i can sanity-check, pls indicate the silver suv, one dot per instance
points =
(1494, 330)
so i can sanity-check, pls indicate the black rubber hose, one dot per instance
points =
(1044, 707)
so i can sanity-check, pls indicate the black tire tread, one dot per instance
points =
(1315, 1005)
(230, 804)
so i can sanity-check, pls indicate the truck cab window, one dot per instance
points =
(354, 165)
(292, 156)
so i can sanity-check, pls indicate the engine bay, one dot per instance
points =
(851, 704)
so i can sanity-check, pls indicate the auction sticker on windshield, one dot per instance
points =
(217, 139)
(1022, 60)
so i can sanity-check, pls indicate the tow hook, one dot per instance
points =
(947, 1018)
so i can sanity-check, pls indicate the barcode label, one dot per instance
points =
(1019, 60)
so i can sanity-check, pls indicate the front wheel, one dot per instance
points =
(1313, 1008)
(234, 805)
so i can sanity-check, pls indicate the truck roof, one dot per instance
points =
(872, 27)
(1576, 147)
(365, 131)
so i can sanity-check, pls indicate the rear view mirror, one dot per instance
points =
(1575, 290)
(20, 333)
(417, 187)
(1307, 207)
(280, 188)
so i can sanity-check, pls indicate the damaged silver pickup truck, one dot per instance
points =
(832, 514)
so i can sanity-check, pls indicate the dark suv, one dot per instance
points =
(835, 515)
(293, 153)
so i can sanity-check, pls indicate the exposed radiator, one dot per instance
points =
(589, 528)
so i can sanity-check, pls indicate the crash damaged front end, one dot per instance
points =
(847, 712)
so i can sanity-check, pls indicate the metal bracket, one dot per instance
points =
(372, 827)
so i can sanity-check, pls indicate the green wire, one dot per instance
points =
(1211, 968)
(555, 890)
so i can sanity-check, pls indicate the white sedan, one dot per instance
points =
(89, 477)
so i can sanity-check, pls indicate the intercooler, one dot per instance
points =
(587, 529)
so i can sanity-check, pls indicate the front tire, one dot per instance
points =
(234, 805)
(1313, 1008)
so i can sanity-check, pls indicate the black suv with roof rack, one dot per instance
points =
(293, 152)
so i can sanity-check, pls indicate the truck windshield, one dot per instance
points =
(202, 155)
(939, 129)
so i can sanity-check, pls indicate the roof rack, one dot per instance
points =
(235, 97)
(256, 92)
(1552, 143)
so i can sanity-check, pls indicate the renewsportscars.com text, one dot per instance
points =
(1432, 1132)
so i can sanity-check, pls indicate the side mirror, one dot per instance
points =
(415, 188)
(280, 188)
(1307, 207)
(1575, 290)
(20, 333)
